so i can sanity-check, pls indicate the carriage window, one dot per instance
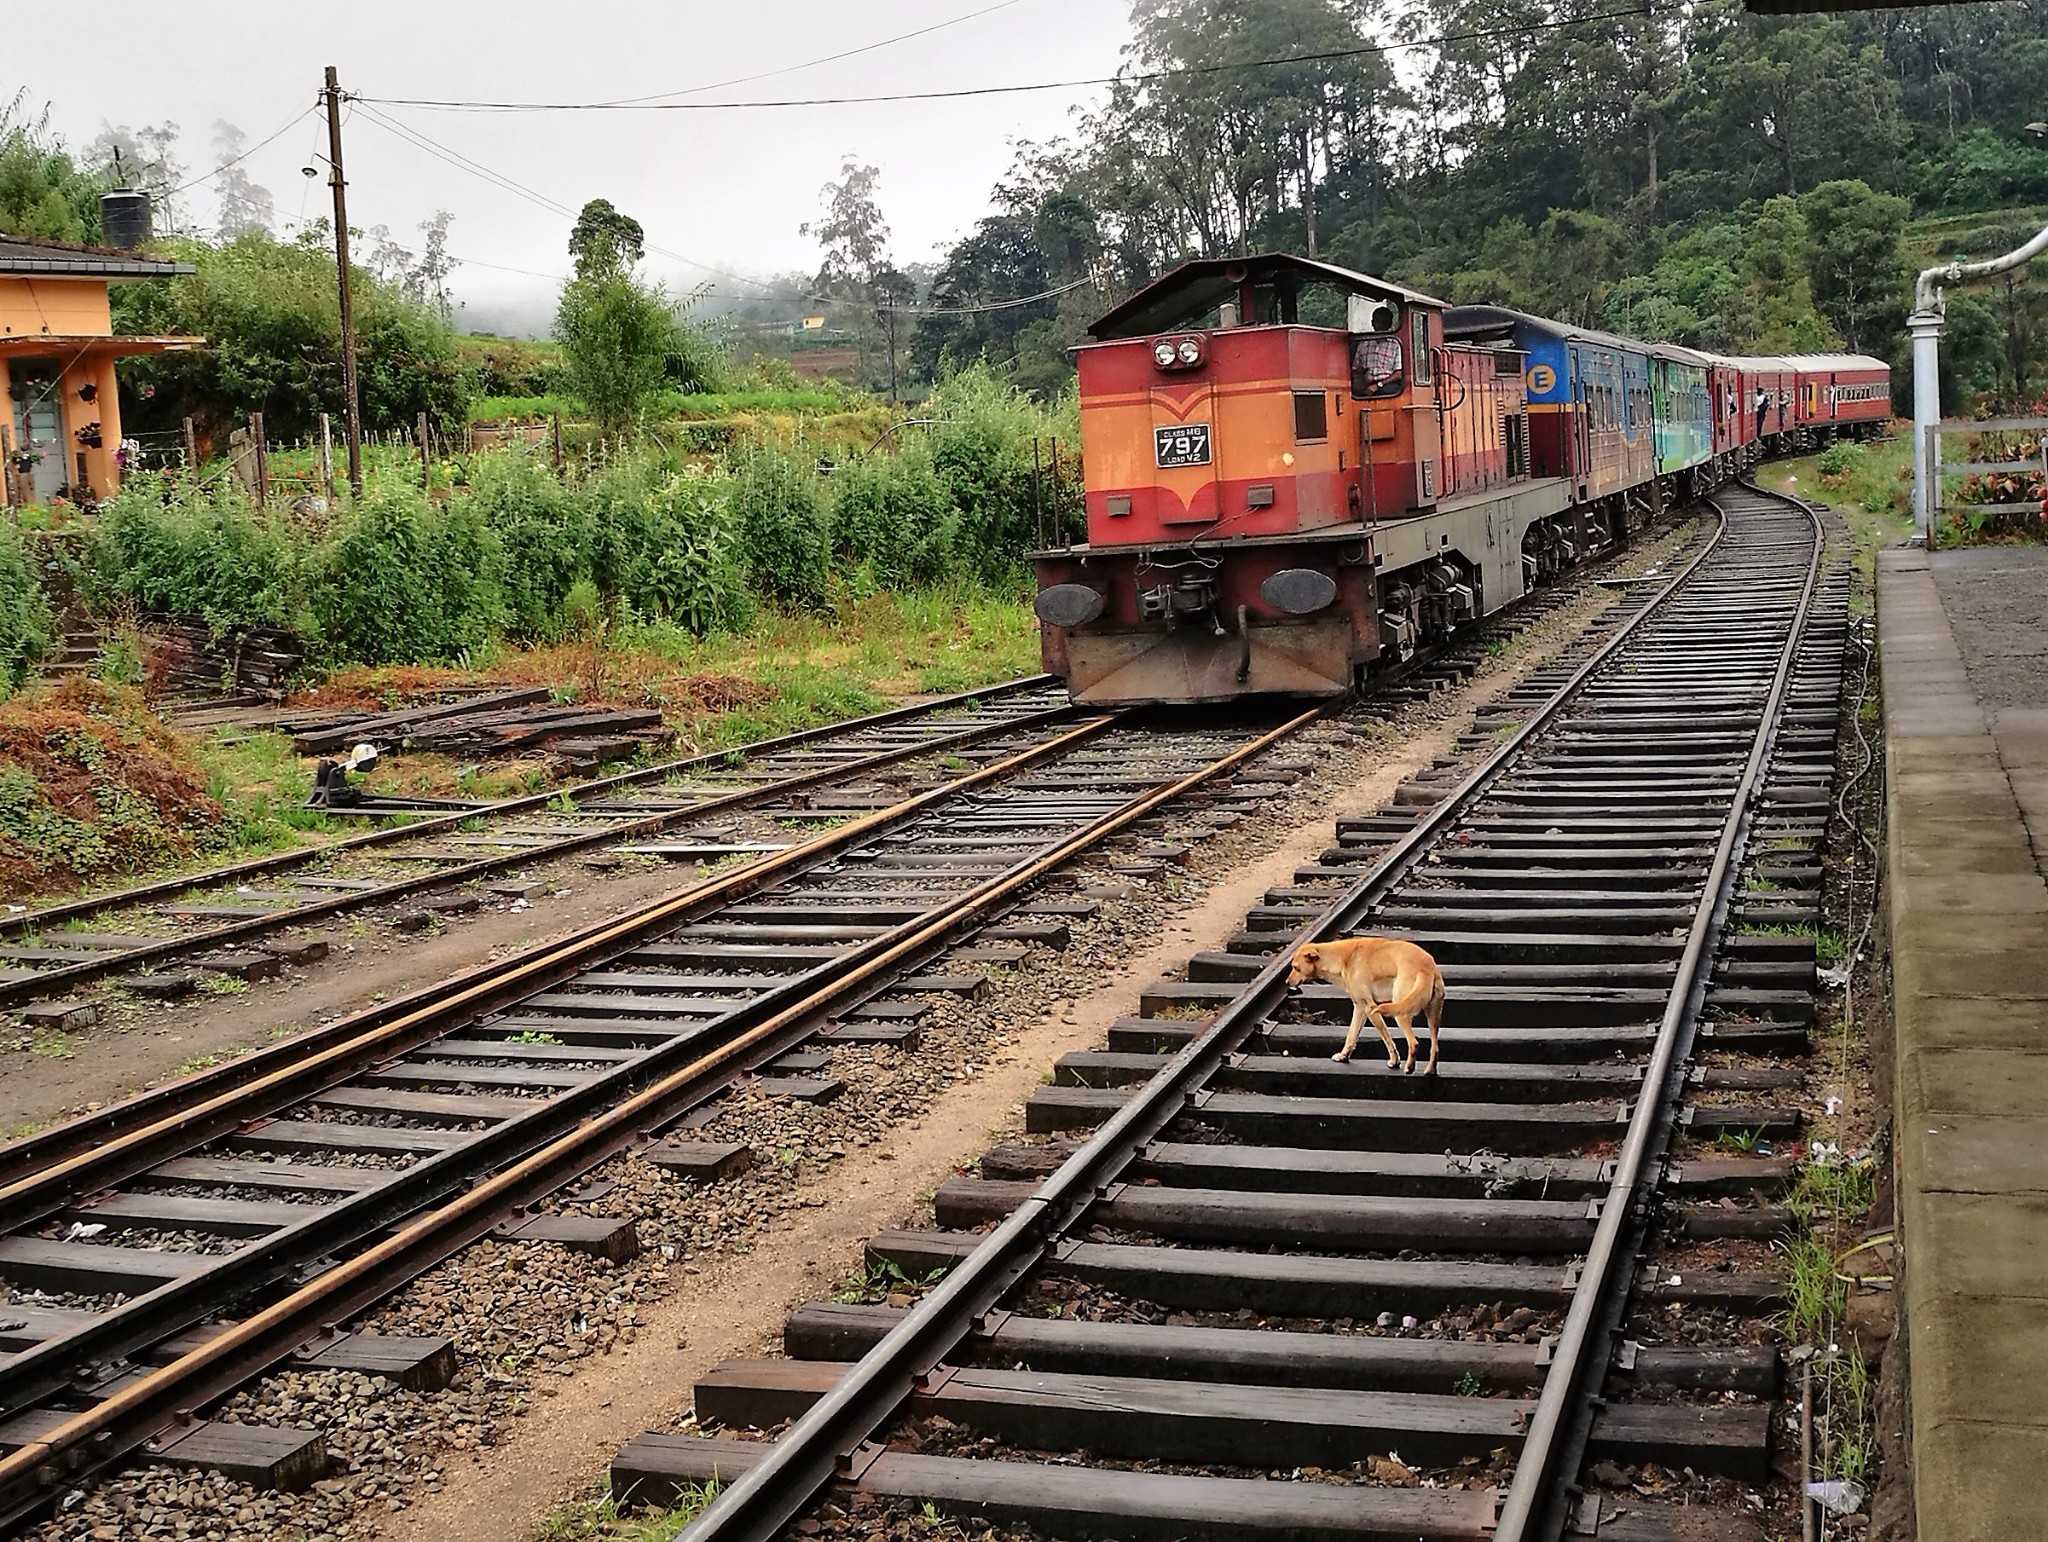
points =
(1311, 416)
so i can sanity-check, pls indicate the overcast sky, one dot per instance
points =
(728, 189)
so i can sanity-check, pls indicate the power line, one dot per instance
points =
(259, 145)
(792, 69)
(1137, 77)
(422, 141)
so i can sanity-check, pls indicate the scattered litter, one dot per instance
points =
(1839, 1496)
(80, 1231)
(1836, 978)
(1384, 1320)
(1406, 1322)
(1832, 1107)
(1675, 1280)
(520, 904)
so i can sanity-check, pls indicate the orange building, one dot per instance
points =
(60, 413)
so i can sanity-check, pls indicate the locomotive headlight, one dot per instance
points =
(1162, 355)
(1190, 351)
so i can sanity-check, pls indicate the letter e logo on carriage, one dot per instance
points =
(1542, 379)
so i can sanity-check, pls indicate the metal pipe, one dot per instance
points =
(1929, 311)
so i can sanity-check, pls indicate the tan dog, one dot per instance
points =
(1380, 974)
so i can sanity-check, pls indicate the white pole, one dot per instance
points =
(1925, 325)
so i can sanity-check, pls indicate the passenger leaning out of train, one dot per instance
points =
(1763, 409)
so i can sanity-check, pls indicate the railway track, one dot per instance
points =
(232, 919)
(1276, 1296)
(162, 1252)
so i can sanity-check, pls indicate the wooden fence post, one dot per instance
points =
(558, 443)
(191, 448)
(262, 459)
(327, 458)
(426, 457)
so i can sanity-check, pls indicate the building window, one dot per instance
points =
(1311, 416)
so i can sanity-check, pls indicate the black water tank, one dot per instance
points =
(124, 218)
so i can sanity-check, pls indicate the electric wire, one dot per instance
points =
(261, 144)
(793, 69)
(1133, 77)
(430, 146)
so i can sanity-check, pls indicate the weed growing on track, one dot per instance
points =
(602, 1520)
(1830, 1194)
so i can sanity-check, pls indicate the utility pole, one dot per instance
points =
(351, 415)
(890, 314)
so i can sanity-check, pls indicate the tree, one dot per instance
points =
(604, 242)
(855, 239)
(44, 194)
(145, 159)
(243, 205)
(616, 335)
(1856, 264)
(268, 311)
(431, 273)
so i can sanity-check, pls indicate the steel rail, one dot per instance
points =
(256, 867)
(345, 1047)
(284, 1256)
(45, 982)
(1535, 1501)
(91, 1130)
(829, 1439)
(99, 1437)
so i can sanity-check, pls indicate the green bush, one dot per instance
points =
(783, 526)
(24, 613)
(687, 566)
(544, 530)
(1841, 459)
(172, 547)
(402, 580)
(894, 516)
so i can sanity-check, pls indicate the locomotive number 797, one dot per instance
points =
(1184, 444)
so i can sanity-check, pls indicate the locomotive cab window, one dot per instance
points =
(1418, 328)
(1376, 365)
(1311, 416)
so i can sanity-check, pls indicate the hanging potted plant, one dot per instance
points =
(89, 436)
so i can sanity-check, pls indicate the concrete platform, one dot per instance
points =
(1963, 639)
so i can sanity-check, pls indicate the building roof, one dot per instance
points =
(21, 256)
(1195, 288)
(89, 344)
